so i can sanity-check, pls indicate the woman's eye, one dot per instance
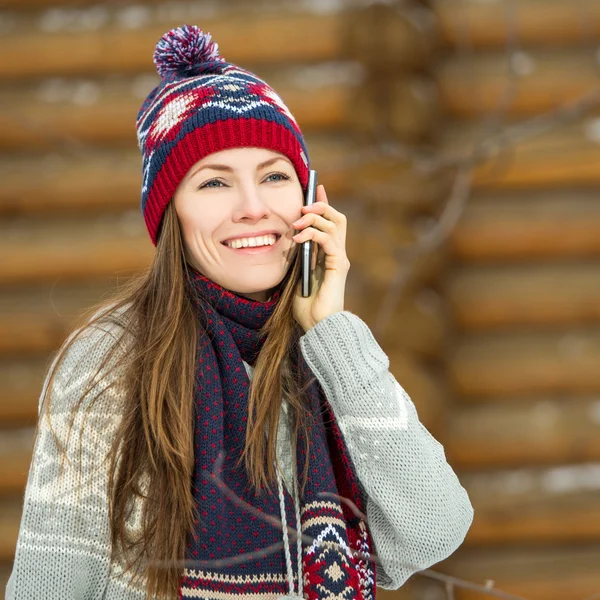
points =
(282, 175)
(207, 184)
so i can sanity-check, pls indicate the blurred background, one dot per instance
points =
(460, 137)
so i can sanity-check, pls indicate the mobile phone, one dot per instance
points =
(307, 247)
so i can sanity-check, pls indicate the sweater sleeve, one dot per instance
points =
(63, 546)
(418, 511)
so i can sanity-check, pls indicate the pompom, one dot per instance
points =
(183, 50)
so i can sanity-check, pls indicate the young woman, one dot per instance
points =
(159, 470)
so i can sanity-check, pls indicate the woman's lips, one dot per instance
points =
(255, 249)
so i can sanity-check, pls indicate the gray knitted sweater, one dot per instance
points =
(417, 510)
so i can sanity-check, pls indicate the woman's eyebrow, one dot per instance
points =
(228, 169)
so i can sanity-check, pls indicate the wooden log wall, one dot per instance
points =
(523, 287)
(73, 76)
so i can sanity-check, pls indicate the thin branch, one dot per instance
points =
(407, 258)
(274, 521)
(348, 503)
(468, 585)
(485, 147)
(450, 581)
(526, 129)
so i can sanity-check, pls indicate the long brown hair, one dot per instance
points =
(152, 454)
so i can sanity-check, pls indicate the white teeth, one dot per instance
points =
(261, 240)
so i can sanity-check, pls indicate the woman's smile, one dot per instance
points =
(259, 249)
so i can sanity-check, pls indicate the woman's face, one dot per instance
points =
(233, 193)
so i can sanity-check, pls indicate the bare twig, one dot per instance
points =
(348, 503)
(455, 582)
(450, 582)
(485, 147)
(406, 259)
(276, 521)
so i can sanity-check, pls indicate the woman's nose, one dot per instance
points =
(251, 202)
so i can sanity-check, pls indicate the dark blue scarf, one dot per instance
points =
(234, 551)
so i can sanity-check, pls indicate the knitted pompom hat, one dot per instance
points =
(204, 104)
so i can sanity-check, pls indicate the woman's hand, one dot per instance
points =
(326, 227)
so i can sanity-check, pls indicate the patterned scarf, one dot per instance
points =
(234, 552)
